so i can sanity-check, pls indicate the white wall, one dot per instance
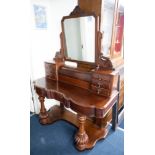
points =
(45, 42)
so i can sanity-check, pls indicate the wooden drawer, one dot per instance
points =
(101, 84)
(101, 77)
(100, 91)
(50, 70)
(51, 76)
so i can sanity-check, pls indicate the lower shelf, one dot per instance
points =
(93, 131)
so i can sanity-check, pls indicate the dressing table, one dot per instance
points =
(81, 78)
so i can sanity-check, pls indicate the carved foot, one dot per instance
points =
(43, 113)
(81, 137)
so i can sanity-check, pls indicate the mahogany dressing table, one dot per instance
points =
(89, 89)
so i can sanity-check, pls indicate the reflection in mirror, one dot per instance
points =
(80, 38)
(119, 28)
(109, 6)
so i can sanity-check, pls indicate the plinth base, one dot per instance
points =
(94, 132)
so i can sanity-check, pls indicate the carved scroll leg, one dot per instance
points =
(43, 113)
(81, 137)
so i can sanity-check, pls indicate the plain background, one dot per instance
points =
(15, 77)
(44, 43)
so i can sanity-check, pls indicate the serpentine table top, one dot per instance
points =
(78, 99)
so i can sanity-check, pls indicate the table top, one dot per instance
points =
(78, 96)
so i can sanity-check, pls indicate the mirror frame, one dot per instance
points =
(101, 62)
(77, 14)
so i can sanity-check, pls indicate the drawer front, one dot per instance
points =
(51, 76)
(101, 83)
(100, 91)
(101, 77)
(50, 70)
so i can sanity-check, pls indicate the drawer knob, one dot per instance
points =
(98, 91)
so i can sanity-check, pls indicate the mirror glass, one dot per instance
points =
(108, 17)
(119, 29)
(80, 38)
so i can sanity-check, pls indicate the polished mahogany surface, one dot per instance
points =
(78, 99)
(82, 101)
